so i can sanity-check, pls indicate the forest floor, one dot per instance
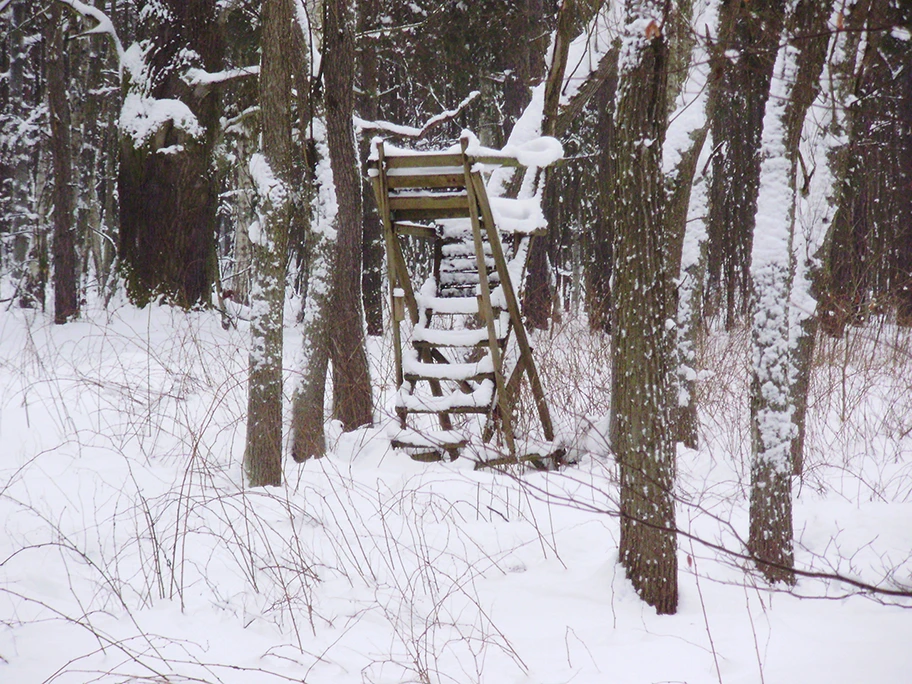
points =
(130, 550)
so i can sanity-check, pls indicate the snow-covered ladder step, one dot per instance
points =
(477, 401)
(430, 337)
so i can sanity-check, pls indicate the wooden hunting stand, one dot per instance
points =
(467, 311)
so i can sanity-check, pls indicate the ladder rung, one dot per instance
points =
(414, 229)
(423, 160)
(478, 401)
(464, 263)
(477, 377)
(428, 201)
(421, 180)
(465, 278)
(449, 305)
(434, 439)
(455, 338)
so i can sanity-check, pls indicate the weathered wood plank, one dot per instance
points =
(445, 180)
(420, 160)
(430, 202)
(414, 230)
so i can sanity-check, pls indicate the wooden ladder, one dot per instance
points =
(437, 202)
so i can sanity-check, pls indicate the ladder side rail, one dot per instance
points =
(488, 314)
(522, 338)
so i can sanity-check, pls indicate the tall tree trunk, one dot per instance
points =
(868, 261)
(599, 259)
(25, 250)
(66, 301)
(369, 109)
(273, 175)
(771, 535)
(352, 399)
(308, 437)
(538, 298)
(742, 66)
(641, 344)
(810, 37)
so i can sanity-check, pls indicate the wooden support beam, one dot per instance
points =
(522, 338)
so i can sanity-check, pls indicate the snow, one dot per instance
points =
(196, 76)
(130, 545)
(104, 25)
(142, 117)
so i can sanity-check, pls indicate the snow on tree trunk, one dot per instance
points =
(167, 183)
(642, 341)
(685, 149)
(809, 36)
(308, 438)
(770, 538)
(743, 61)
(272, 176)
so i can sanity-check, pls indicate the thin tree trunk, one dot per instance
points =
(810, 38)
(372, 247)
(272, 174)
(352, 398)
(66, 301)
(307, 420)
(538, 298)
(599, 259)
(641, 344)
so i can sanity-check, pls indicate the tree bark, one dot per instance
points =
(273, 175)
(372, 241)
(167, 184)
(352, 398)
(599, 261)
(810, 37)
(538, 298)
(742, 66)
(66, 300)
(641, 344)
(772, 430)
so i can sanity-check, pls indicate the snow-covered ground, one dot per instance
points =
(130, 550)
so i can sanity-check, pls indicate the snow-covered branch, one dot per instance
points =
(104, 26)
(201, 77)
(411, 131)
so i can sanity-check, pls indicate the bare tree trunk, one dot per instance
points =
(372, 247)
(538, 298)
(272, 174)
(352, 398)
(868, 258)
(641, 344)
(66, 301)
(811, 39)
(599, 261)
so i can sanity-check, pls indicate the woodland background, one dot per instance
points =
(183, 186)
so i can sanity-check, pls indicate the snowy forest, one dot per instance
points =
(448, 341)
